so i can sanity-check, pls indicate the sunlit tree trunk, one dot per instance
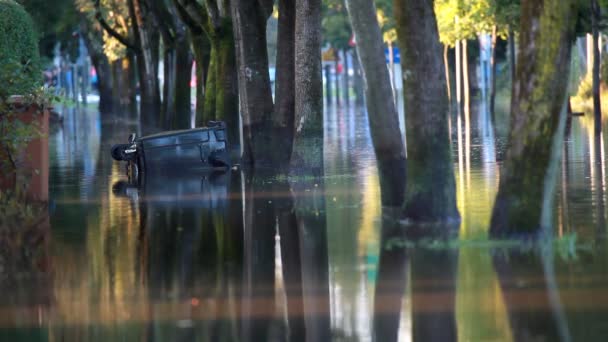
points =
(493, 71)
(465, 77)
(446, 65)
(307, 155)
(249, 18)
(381, 111)
(597, 107)
(458, 65)
(430, 188)
(537, 113)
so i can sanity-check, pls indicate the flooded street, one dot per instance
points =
(234, 256)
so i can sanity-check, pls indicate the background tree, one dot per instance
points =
(537, 117)
(255, 95)
(221, 89)
(307, 152)
(430, 188)
(381, 111)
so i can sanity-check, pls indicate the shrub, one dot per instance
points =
(20, 71)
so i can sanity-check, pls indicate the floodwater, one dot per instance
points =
(223, 257)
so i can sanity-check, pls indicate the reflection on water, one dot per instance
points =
(238, 256)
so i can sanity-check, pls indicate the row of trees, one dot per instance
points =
(228, 41)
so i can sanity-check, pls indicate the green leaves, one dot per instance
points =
(19, 58)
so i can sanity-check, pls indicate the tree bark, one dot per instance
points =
(307, 155)
(381, 111)
(202, 51)
(93, 38)
(147, 39)
(537, 115)
(597, 105)
(284, 115)
(345, 77)
(430, 188)
(512, 57)
(249, 18)
(493, 71)
(465, 77)
(337, 79)
(458, 65)
(446, 65)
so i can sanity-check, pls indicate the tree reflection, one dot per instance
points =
(535, 311)
(432, 273)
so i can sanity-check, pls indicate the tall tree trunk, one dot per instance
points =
(327, 84)
(202, 51)
(381, 111)
(182, 102)
(458, 65)
(430, 188)
(285, 82)
(210, 87)
(493, 71)
(147, 39)
(512, 57)
(345, 77)
(525, 192)
(93, 39)
(465, 77)
(227, 92)
(597, 106)
(357, 80)
(337, 77)
(255, 94)
(307, 152)
(446, 66)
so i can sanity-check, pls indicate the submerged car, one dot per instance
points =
(194, 149)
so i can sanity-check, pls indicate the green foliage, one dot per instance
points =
(460, 19)
(116, 14)
(335, 24)
(19, 59)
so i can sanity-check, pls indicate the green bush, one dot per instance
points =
(20, 71)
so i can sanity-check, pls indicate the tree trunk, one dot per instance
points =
(526, 186)
(210, 87)
(458, 64)
(182, 76)
(307, 155)
(93, 39)
(493, 71)
(255, 94)
(597, 106)
(345, 77)
(202, 52)
(327, 84)
(148, 40)
(285, 82)
(430, 188)
(357, 80)
(227, 92)
(337, 78)
(381, 112)
(465, 77)
(512, 56)
(446, 65)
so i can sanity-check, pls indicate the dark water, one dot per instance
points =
(221, 257)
